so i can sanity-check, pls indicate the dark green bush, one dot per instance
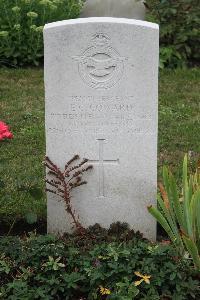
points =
(21, 26)
(179, 22)
(22, 21)
(101, 265)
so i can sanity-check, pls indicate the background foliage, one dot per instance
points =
(21, 27)
(22, 21)
(179, 22)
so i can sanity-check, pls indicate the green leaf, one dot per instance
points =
(2, 184)
(31, 217)
(163, 222)
(174, 201)
(186, 199)
(193, 251)
(185, 182)
(172, 276)
(169, 217)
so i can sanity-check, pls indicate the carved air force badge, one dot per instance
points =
(100, 66)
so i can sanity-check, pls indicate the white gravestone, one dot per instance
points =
(101, 83)
(133, 9)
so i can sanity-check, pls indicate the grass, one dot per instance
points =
(179, 118)
(22, 107)
(21, 171)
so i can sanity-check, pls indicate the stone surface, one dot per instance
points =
(133, 9)
(101, 103)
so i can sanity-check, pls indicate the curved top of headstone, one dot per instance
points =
(131, 9)
(101, 20)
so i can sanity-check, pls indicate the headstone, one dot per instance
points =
(132, 9)
(101, 83)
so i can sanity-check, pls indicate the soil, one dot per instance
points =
(21, 227)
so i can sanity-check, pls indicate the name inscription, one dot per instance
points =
(110, 114)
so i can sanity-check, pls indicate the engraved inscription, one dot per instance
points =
(97, 114)
(100, 65)
(101, 162)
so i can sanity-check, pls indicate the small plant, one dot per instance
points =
(64, 181)
(180, 216)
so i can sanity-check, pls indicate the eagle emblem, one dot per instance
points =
(100, 66)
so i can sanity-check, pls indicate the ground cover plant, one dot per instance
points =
(22, 108)
(105, 264)
(21, 27)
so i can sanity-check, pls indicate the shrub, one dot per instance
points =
(21, 27)
(107, 266)
(179, 35)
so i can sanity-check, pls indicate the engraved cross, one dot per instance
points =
(101, 162)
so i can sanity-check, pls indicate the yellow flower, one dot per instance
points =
(144, 278)
(104, 291)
